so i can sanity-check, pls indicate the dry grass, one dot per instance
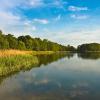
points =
(4, 53)
(15, 60)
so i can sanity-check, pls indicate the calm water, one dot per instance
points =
(64, 77)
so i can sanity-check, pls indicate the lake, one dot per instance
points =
(57, 77)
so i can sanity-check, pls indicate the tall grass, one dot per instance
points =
(15, 60)
(11, 64)
(7, 53)
(42, 52)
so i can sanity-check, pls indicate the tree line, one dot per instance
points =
(28, 43)
(90, 47)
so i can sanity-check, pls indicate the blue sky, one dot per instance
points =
(64, 21)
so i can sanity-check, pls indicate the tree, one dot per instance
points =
(21, 45)
(12, 41)
(89, 47)
(4, 44)
(0, 32)
(29, 43)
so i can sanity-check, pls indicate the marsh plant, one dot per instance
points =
(11, 64)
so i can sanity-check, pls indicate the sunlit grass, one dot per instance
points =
(4, 53)
(10, 64)
(15, 60)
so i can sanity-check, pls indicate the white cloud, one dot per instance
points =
(41, 21)
(28, 4)
(8, 16)
(19, 25)
(58, 18)
(78, 37)
(80, 17)
(75, 8)
(8, 4)
(33, 28)
(36, 2)
(58, 3)
(43, 81)
(14, 24)
(33, 4)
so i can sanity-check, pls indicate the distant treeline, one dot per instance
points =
(28, 43)
(91, 47)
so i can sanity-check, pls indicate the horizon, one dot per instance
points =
(62, 21)
(50, 40)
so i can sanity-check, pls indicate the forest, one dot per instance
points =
(28, 43)
(90, 47)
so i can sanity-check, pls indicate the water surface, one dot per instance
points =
(56, 77)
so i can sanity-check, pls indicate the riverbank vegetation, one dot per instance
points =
(4, 53)
(12, 61)
(28, 43)
(23, 52)
(91, 47)
(89, 55)
(11, 64)
(22, 62)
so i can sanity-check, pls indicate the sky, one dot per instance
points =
(64, 21)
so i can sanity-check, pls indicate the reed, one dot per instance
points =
(11, 64)
(4, 53)
(15, 60)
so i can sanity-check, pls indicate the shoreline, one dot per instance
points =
(11, 52)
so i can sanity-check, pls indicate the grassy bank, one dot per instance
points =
(4, 53)
(11, 64)
(15, 60)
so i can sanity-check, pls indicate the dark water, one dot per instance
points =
(57, 77)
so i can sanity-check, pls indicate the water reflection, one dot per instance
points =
(90, 55)
(43, 60)
(67, 78)
(47, 59)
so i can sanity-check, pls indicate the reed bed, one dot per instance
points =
(42, 52)
(15, 60)
(4, 53)
(11, 64)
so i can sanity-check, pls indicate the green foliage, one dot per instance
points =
(0, 32)
(12, 41)
(21, 45)
(4, 44)
(29, 43)
(92, 47)
(11, 64)
(17, 63)
(89, 55)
